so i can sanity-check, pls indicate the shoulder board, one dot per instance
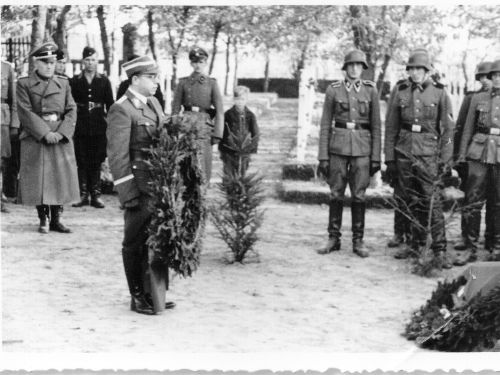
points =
(212, 79)
(122, 99)
(438, 85)
(367, 82)
(336, 83)
(183, 78)
(23, 76)
(61, 77)
(403, 86)
(400, 81)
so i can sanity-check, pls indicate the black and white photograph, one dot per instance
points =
(259, 180)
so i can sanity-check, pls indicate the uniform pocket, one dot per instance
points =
(341, 106)
(476, 147)
(483, 112)
(424, 144)
(361, 143)
(430, 110)
(364, 108)
(143, 177)
(340, 142)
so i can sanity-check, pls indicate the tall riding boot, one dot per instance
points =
(489, 233)
(133, 273)
(55, 217)
(43, 215)
(84, 193)
(399, 230)
(461, 245)
(358, 229)
(495, 249)
(95, 188)
(472, 223)
(334, 225)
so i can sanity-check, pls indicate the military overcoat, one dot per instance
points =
(9, 108)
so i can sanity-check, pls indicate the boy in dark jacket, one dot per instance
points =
(237, 118)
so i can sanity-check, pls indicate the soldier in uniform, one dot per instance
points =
(48, 177)
(94, 96)
(61, 64)
(10, 121)
(482, 71)
(418, 148)
(200, 93)
(349, 152)
(133, 124)
(480, 149)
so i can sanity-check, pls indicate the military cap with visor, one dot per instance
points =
(495, 68)
(197, 54)
(44, 51)
(140, 65)
(419, 59)
(355, 56)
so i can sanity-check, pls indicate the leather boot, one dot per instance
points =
(43, 215)
(461, 245)
(133, 272)
(95, 189)
(84, 192)
(399, 230)
(3, 208)
(334, 225)
(358, 229)
(55, 217)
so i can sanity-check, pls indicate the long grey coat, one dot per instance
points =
(48, 173)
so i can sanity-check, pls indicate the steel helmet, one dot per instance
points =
(419, 59)
(355, 56)
(483, 69)
(495, 68)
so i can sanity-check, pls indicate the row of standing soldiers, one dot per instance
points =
(421, 146)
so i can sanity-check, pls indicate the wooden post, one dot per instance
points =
(306, 103)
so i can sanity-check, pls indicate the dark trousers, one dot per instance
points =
(483, 181)
(90, 153)
(352, 170)
(401, 222)
(11, 169)
(418, 178)
(231, 163)
(134, 251)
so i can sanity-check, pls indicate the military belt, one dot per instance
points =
(352, 125)
(414, 128)
(90, 105)
(195, 109)
(136, 155)
(51, 117)
(489, 131)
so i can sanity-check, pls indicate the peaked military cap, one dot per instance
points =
(44, 51)
(140, 65)
(88, 51)
(495, 68)
(60, 55)
(197, 54)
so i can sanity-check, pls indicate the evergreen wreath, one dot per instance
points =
(176, 228)
(440, 325)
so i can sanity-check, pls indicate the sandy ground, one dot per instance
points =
(68, 292)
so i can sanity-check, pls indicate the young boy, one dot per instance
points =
(237, 118)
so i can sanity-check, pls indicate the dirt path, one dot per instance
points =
(68, 292)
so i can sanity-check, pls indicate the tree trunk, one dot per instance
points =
(235, 48)
(37, 28)
(130, 37)
(61, 35)
(217, 28)
(266, 74)
(151, 35)
(381, 75)
(228, 54)
(104, 38)
(174, 71)
(49, 29)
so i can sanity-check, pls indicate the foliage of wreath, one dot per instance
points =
(177, 223)
(474, 326)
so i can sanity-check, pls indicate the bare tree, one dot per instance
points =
(104, 38)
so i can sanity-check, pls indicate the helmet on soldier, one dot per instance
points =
(355, 56)
(419, 60)
(495, 68)
(483, 69)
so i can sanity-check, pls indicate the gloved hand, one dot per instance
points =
(51, 138)
(374, 167)
(391, 171)
(132, 204)
(323, 169)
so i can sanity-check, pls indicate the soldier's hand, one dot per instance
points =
(51, 138)
(323, 169)
(132, 204)
(374, 167)
(59, 136)
(392, 171)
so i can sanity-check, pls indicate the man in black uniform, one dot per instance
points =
(93, 95)
(60, 64)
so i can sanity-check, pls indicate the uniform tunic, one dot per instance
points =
(48, 172)
(9, 108)
(200, 93)
(480, 146)
(354, 140)
(419, 133)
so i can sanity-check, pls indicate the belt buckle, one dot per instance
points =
(495, 131)
(195, 109)
(350, 125)
(416, 128)
(91, 106)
